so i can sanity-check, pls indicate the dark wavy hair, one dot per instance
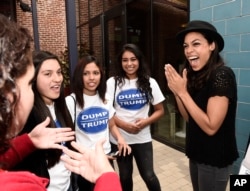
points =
(197, 79)
(142, 72)
(77, 81)
(40, 108)
(15, 57)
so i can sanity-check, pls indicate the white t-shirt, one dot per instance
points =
(92, 122)
(130, 104)
(59, 175)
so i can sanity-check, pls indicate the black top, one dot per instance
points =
(36, 161)
(219, 150)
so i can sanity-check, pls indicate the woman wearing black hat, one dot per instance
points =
(206, 95)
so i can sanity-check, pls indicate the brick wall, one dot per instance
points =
(232, 20)
(51, 24)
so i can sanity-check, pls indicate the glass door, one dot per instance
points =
(114, 36)
(105, 36)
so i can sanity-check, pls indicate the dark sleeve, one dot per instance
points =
(34, 162)
(223, 83)
(108, 182)
(21, 146)
(32, 121)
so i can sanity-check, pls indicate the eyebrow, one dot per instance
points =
(192, 41)
(130, 57)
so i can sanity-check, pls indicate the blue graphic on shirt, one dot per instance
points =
(131, 99)
(93, 120)
(57, 123)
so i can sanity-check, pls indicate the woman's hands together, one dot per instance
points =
(176, 83)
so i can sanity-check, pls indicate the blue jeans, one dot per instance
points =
(143, 154)
(208, 178)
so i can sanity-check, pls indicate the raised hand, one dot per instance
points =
(176, 83)
(45, 138)
(90, 164)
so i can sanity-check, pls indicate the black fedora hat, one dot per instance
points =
(204, 27)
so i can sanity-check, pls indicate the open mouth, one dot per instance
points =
(192, 58)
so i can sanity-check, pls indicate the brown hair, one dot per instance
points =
(15, 57)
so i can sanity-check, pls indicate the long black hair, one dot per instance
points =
(142, 72)
(61, 110)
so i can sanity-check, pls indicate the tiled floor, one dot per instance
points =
(171, 167)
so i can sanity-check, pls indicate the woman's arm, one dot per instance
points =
(209, 121)
(156, 115)
(126, 126)
(108, 182)
(181, 108)
(123, 147)
(21, 146)
(140, 123)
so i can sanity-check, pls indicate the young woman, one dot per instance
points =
(17, 72)
(92, 110)
(49, 102)
(206, 95)
(133, 92)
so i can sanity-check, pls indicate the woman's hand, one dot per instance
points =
(132, 128)
(90, 164)
(48, 138)
(176, 83)
(123, 148)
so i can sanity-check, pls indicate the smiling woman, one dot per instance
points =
(133, 92)
(206, 95)
(49, 102)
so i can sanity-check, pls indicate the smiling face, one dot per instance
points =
(130, 64)
(197, 50)
(49, 80)
(91, 78)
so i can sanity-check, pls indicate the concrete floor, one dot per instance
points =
(171, 167)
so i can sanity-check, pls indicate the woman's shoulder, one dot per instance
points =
(223, 82)
(153, 81)
(111, 79)
(225, 69)
(70, 97)
(223, 72)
